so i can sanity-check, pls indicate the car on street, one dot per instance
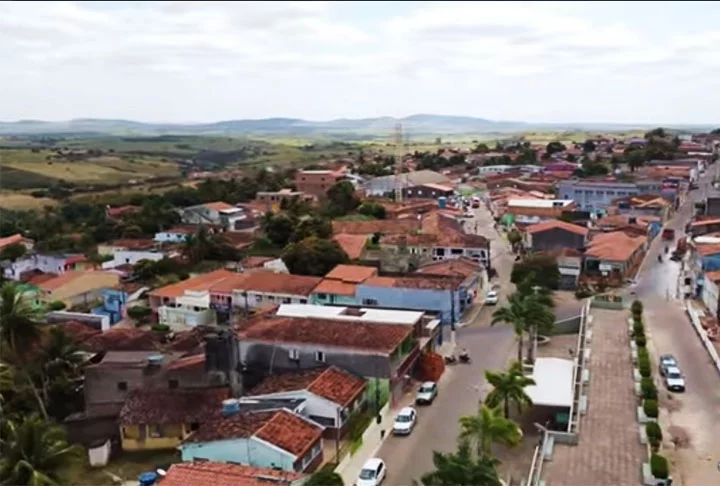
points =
(373, 473)
(468, 214)
(491, 298)
(666, 361)
(426, 393)
(405, 421)
(674, 379)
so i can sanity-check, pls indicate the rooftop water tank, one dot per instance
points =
(230, 406)
(148, 479)
(155, 360)
(442, 202)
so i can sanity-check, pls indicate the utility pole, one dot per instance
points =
(398, 140)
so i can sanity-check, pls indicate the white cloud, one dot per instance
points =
(325, 59)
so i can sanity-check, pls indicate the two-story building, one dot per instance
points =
(531, 211)
(263, 288)
(615, 255)
(219, 214)
(554, 235)
(316, 182)
(45, 263)
(77, 287)
(597, 196)
(428, 191)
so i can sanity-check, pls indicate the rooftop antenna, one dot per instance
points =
(398, 140)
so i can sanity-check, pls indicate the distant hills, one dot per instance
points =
(422, 124)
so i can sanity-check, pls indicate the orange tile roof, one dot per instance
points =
(351, 273)
(196, 360)
(338, 386)
(705, 222)
(227, 285)
(11, 240)
(615, 246)
(60, 280)
(256, 261)
(343, 334)
(708, 249)
(290, 432)
(280, 283)
(335, 287)
(223, 474)
(218, 206)
(199, 282)
(353, 245)
(379, 226)
(421, 282)
(457, 267)
(556, 224)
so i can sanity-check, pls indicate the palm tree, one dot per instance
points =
(35, 452)
(19, 327)
(540, 319)
(460, 468)
(7, 382)
(508, 387)
(19, 332)
(488, 427)
(59, 359)
(514, 313)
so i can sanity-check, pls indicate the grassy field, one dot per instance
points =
(17, 200)
(105, 169)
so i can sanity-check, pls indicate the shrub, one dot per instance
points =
(139, 312)
(643, 354)
(650, 407)
(643, 363)
(649, 391)
(56, 305)
(659, 466)
(654, 434)
(164, 328)
(640, 340)
(636, 307)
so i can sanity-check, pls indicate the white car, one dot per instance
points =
(491, 298)
(468, 214)
(372, 473)
(405, 421)
(674, 379)
(426, 393)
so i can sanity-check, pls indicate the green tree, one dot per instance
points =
(543, 268)
(372, 209)
(13, 252)
(19, 326)
(489, 427)
(279, 228)
(514, 238)
(515, 314)
(313, 256)
(312, 226)
(325, 478)
(35, 452)
(56, 305)
(342, 198)
(461, 468)
(589, 146)
(656, 133)
(508, 388)
(554, 147)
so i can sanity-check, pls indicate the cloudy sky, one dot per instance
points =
(205, 61)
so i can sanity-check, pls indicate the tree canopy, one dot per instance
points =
(543, 269)
(313, 256)
(341, 198)
(461, 468)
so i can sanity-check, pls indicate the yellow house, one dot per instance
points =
(161, 418)
(77, 287)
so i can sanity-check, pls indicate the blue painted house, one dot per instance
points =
(279, 438)
(704, 258)
(114, 305)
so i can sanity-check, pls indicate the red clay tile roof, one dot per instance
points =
(290, 432)
(227, 285)
(218, 206)
(256, 261)
(119, 211)
(60, 280)
(369, 228)
(133, 244)
(119, 339)
(351, 273)
(198, 282)
(422, 282)
(218, 427)
(168, 406)
(331, 383)
(383, 338)
(708, 249)
(223, 474)
(457, 267)
(353, 245)
(335, 287)
(705, 222)
(194, 361)
(279, 283)
(11, 240)
(557, 224)
(76, 331)
(36, 277)
(615, 246)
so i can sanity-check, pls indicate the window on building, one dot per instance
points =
(322, 296)
(173, 384)
(271, 298)
(320, 356)
(370, 302)
(286, 300)
(294, 354)
(122, 385)
(303, 301)
(259, 298)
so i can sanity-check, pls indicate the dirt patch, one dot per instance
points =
(679, 437)
(669, 402)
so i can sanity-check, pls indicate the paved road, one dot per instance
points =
(699, 408)
(462, 386)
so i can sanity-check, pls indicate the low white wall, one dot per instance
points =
(709, 347)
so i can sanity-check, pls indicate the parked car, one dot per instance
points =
(666, 361)
(405, 421)
(426, 393)
(491, 298)
(674, 379)
(373, 473)
(468, 214)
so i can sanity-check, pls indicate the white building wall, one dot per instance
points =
(131, 257)
(710, 296)
(256, 299)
